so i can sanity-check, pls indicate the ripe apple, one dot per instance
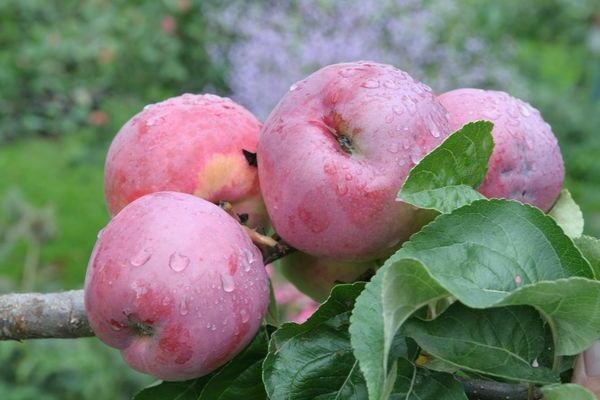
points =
(315, 277)
(175, 283)
(192, 144)
(526, 164)
(334, 153)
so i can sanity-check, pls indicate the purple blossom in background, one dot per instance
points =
(278, 43)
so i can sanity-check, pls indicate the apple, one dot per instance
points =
(315, 277)
(293, 305)
(526, 164)
(334, 153)
(176, 285)
(192, 144)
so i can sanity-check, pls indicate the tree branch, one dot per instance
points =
(62, 315)
(37, 315)
(488, 390)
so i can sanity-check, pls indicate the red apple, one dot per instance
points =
(334, 153)
(315, 277)
(176, 284)
(526, 164)
(192, 144)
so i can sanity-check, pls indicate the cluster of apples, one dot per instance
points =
(175, 281)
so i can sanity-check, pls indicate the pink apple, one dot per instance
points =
(315, 277)
(293, 305)
(334, 153)
(191, 144)
(176, 284)
(526, 164)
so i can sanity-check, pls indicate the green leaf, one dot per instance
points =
(272, 317)
(240, 377)
(567, 214)
(187, 390)
(314, 360)
(366, 332)
(445, 178)
(569, 391)
(590, 248)
(420, 384)
(490, 253)
(501, 342)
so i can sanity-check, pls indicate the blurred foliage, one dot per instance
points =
(82, 369)
(71, 73)
(69, 63)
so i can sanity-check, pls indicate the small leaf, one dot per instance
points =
(569, 391)
(420, 384)
(501, 342)
(241, 377)
(187, 390)
(366, 331)
(272, 317)
(314, 360)
(567, 214)
(445, 178)
(590, 248)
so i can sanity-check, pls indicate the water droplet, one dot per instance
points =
(435, 132)
(249, 257)
(244, 315)
(213, 328)
(348, 177)
(166, 301)
(100, 232)
(391, 85)
(406, 145)
(228, 283)
(208, 325)
(183, 307)
(370, 83)
(535, 363)
(394, 148)
(398, 109)
(341, 189)
(491, 113)
(346, 73)
(329, 169)
(178, 262)
(148, 107)
(525, 111)
(116, 325)
(138, 289)
(389, 118)
(141, 258)
(518, 279)
(293, 87)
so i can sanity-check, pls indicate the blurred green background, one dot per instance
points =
(72, 72)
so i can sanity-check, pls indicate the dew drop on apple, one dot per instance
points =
(394, 148)
(213, 327)
(391, 85)
(140, 258)
(178, 262)
(293, 87)
(228, 283)
(183, 307)
(370, 83)
(525, 111)
(398, 109)
(245, 316)
(341, 188)
(348, 177)
(100, 232)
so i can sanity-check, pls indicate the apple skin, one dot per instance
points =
(315, 277)
(175, 284)
(526, 164)
(325, 201)
(190, 144)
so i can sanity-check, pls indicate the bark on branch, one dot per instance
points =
(49, 315)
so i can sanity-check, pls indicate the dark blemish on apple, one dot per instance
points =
(250, 157)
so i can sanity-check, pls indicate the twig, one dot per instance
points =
(37, 315)
(488, 390)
